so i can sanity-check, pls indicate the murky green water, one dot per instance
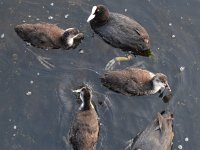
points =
(37, 105)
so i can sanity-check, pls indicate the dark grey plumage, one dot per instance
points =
(45, 35)
(158, 135)
(121, 31)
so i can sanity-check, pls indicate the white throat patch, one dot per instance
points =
(92, 14)
(82, 99)
(70, 41)
(158, 85)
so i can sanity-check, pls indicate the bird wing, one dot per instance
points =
(130, 81)
(123, 32)
(85, 129)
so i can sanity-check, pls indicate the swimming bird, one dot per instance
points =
(45, 35)
(120, 31)
(135, 82)
(158, 135)
(85, 127)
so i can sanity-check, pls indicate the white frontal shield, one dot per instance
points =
(92, 15)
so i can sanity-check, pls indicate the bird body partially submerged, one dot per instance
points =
(120, 31)
(135, 81)
(45, 35)
(85, 127)
(158, 135)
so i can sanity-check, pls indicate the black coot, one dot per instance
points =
(120, 31)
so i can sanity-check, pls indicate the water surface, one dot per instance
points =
(37, 105)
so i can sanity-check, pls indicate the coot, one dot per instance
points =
(45, 35)
(158, 135)
(85, 127)
(120, 31)
(135, 81)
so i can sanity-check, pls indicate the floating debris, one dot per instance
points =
(170, 24)
(2, 35)
(50, 17)
(14, 127)
(186, 139)
(81, 51)
(14, 58)
(28, 44)
(66, 16)
(52, 4)
(31, 82)
(180, 147)
(182, 69)
(173, 36)
(28, 93)
(158, 48)
(125, 10)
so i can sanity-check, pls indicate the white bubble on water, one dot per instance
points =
(50, 17)
(182, 68)
(2, 35)
(186, 139)
(180, 147)
(173, 36)
(66, 16)
(28, 93)
(81, 51)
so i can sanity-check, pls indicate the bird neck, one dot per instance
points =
(151, 92)
(154, 89)
(86, 105)
(86, 102)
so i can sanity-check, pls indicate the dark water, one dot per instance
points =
(41, 119)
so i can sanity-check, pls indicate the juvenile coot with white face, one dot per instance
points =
(135, 81)
(45, 35)
(85, 127)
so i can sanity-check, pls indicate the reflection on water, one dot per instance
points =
(37, 105)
